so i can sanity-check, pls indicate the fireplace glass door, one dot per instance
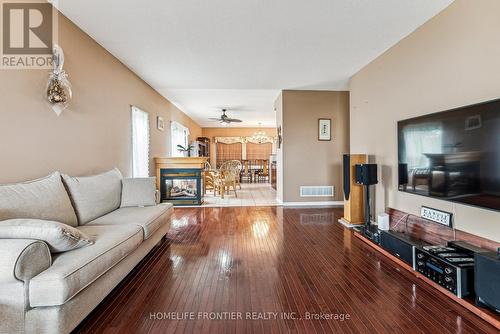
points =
(181, 186)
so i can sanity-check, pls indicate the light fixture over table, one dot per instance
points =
(259, 136)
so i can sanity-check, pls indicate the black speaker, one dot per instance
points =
(399, 245)
(366, 174)
(487, 272)
(346, 165)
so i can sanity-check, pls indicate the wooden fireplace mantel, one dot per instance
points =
(181, 162)
(178, 163)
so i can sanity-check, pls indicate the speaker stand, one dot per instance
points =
(369, 230)
(367, 206)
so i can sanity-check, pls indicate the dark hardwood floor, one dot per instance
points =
(279, 263)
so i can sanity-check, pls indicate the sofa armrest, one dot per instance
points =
(22, 259)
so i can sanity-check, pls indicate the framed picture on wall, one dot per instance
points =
(160, 123)
(324, 129)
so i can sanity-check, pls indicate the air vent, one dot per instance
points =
(317, 191)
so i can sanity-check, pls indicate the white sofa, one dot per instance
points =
(42, 292)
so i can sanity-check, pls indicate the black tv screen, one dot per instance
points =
(453, 155)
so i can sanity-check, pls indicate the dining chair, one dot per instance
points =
(245, 173)
(225, 180)
(259, 166)
(209, 181)
(264, 173)
(237, 168)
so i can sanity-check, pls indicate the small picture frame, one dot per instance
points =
(473, 122)
(160, 123)
(324, 129)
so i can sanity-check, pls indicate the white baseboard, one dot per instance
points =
(321, 203)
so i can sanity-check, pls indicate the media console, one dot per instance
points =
(467, 302)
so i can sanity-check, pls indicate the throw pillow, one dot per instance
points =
(58, 236)
(138, 191)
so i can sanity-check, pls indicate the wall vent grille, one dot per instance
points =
(317, 191)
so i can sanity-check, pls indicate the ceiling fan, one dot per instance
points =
(224, 119)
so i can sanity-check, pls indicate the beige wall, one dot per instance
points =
(306, 160)
(231, 132)
(452, 60)
(94, 134)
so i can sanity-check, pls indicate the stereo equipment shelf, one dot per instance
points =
(468, 303)
(433, 233)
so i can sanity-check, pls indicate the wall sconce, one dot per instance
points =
(58, 87)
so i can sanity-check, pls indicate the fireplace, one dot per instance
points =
(181, 186)
(180, 180)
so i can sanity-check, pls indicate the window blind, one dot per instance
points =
(228, 152)
(259, 151)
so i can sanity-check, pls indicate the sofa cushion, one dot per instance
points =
(138, 191)
(94, 196)
(72, 271)
(58, 236)
(149, 218)
(37, 199)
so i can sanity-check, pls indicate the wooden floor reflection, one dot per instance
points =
(272, 267)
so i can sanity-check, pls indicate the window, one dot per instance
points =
(140, 143)
(179, 136)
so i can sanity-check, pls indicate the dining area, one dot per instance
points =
(238, 182)
(250, 170)
(227, 177)
(239, 168)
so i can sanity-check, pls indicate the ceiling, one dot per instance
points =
(203, 55)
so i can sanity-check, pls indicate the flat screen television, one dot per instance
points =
(453, 155)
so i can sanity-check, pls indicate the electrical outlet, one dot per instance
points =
(437, 216)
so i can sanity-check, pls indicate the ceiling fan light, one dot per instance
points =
(224, 120)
